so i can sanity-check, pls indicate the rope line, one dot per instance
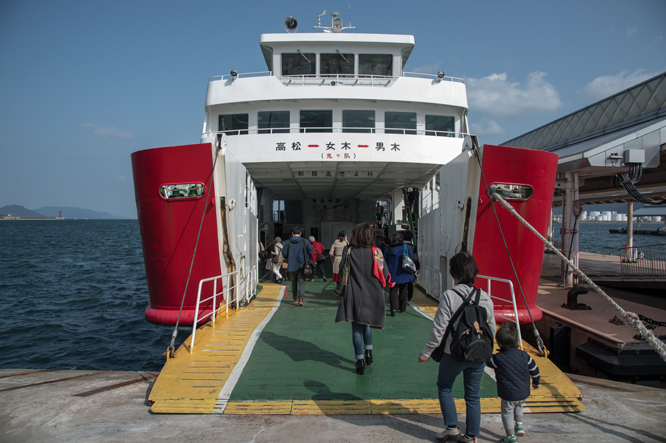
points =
(631, 317)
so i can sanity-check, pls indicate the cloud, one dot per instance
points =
(607, 85)
(487, 127)
(658, 38)
(122, 178)
(631, 31)
(496, 96)
(107, 132)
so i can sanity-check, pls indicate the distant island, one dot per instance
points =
(52, 212)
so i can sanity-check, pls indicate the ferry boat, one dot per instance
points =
(334, 132)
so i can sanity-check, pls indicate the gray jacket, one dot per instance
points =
(449, 303)
(363, 299)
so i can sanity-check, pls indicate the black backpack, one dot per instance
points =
(472, 336)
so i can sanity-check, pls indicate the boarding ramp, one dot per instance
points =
(273, 357)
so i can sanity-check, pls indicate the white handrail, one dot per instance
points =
(250, 279)
(513, 301)
(336, 130)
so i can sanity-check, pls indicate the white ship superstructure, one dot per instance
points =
(335, 121)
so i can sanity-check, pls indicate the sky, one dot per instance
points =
(83, 84)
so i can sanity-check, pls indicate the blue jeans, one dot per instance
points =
(449, 368)
(321, 269)
(361, 333)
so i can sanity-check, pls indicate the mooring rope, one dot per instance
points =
(631, 317)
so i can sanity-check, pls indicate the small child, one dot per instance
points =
(513, 370)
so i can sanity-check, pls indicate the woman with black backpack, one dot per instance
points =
(456, 307)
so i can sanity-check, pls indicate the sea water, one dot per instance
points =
(595, 237)
(72, 296)
(73, 293)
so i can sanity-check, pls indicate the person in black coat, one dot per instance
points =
(363, 302)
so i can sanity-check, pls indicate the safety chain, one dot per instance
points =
(631, 317)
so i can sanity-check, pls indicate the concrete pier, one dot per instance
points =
(83, 406)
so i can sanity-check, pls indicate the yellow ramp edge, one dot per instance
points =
(192, 380)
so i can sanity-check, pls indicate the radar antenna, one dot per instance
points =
(336, 25)
(319, 16)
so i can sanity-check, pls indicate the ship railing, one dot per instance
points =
(434, 290)
(248, 282)
(338, 130)
(513, 303)
(337, 79)
(239, 75)
(433, 77)
(643, 262)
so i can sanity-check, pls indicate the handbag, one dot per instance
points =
(320, 258)
(276, 259)
(308, 266)
(407, 262)
(344, 274)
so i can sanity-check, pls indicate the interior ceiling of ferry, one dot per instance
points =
(323, 180)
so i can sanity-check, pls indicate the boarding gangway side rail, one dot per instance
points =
(250, 279)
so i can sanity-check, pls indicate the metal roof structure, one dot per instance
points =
(594, 141)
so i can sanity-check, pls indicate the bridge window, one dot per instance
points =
(185, 190)
(513, 192)
(440, 125)
(375, 64)
(299, 64)
(400, 123)
(316, 121)
(336, 64)
(233, 124)
(270, 121)
(358, 121)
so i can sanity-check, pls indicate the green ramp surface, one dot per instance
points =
(302, 354)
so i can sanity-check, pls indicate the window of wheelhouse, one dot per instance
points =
(233, 124)
(358, 121)
(400, 123)
(270, 122)
(336, 64)
(375, 64)
(316, 121)
(440, 125)
(299, 63)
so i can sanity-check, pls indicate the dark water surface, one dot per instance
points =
(72, 294)
(594, 237)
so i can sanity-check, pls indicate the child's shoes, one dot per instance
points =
(520, 432)
(508, 439)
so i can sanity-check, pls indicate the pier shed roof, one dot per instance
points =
(592, 141)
